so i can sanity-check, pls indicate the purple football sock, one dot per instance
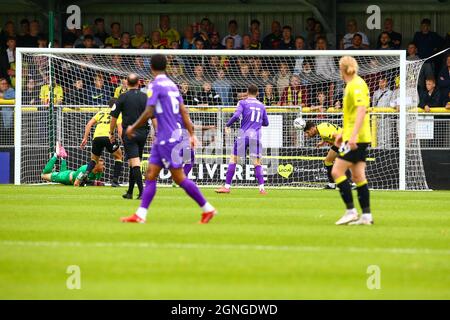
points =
(187, 168)
(230, 173)
(259, 175)
(148, 193)
(193, 191)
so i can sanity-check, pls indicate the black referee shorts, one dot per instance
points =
(353, 156)
(100, 143)
(134, 147)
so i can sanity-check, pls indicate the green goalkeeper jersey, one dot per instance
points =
(64, 176)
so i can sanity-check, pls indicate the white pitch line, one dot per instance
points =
(240, 247)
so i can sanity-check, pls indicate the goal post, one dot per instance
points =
(291, 83)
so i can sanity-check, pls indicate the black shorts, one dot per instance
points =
(334, 148)
(134, 147)
(100, 143)
(353, 156)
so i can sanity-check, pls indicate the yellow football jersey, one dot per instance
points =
(44, 94)
(356, 95)
(103, 119)
(119, 90)
(327, 131)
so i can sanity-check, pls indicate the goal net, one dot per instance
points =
(291, 84)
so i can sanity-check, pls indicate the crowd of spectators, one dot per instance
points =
(217, 80)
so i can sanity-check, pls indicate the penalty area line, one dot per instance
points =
(239, 247)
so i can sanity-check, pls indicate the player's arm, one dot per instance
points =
(234, 117)
(265, 119)
(87, 130)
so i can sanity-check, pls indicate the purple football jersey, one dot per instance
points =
(252, 113)
(163, 94)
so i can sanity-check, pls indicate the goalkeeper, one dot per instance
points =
(70, 177)
(327, 132)
(101, 141)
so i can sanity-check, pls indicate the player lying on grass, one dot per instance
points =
(166, 104)
(70, 177)
(100, 141)
(253, 116)
(328, 133)
(353, 143)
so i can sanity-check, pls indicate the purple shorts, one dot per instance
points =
(167, 155)
(243, 143)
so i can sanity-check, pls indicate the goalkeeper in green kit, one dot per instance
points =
(70, 177)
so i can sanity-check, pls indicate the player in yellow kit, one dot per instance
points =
(100, 141)
(328, 133)
(353, 143)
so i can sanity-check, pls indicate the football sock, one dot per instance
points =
(230, 174)
(345, 189)
(363, 196)
(194, 192)
(91, 166)
(259, 176)
(187, 168)
(147, 197)
(50, 164)
(329, 167)
(117, 170)
(348, 173)
(131, 182)
(138, 177)
(63, 165)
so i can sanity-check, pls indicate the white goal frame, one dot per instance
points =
(50, 51)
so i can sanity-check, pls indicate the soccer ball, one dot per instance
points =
(299, 124)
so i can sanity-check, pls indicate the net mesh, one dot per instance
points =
(290, 85)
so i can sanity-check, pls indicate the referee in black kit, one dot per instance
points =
(131, 104)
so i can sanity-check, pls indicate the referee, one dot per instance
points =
(131, 105)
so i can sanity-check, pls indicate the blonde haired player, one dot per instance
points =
(353, 143)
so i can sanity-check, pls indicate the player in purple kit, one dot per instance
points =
(253, 116)
(165, 103)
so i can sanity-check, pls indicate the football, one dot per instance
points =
(299, 123)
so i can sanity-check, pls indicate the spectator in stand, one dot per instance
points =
(204, 32)
(255, 26)
(352, 28)
(7, 120)
(265, 77)
(88, 42)
(325, 68)
(99, 94)
(229, 43)
(35, 29)
(139, 37)
(318, 32)
(100, 29)
(430, 98)
(270, 97)
(412, 52)
(255, 43)
(246, 42)
(6, 92)
(223, 87)
(286, 41)
(199, 77)
(356, 42)
(306, 75)
(69, 38)
(309, 34)
(273, 40)
(122, 88)
(395, 97)
(42, 42)
(75, 94)
(31, 95)
(215, 41)
(125, 41)
(187, 42)
(320, 104)
(156, 42)
(87, 30)
(114, 38)
(294, 94)
(174, 45)
(214, 64)
(444, 81)
(8, 31)
(381, 98)
(207, 96)
(299, 45)
(187, 94)
(428, 42)
(283, 77)
(384, 41)
(24, 39)
(233, 33)
(44, 94)
(8, 59)
(199, 44)
(394, 37)
(167, 34)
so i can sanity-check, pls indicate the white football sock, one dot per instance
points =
(207, 207)
(227, 186)
(351, 211)
(261, 187)
(367, 216)
(142, 213)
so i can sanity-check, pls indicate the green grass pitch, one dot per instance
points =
(280, 246)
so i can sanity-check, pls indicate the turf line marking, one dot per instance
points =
(240, 247)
